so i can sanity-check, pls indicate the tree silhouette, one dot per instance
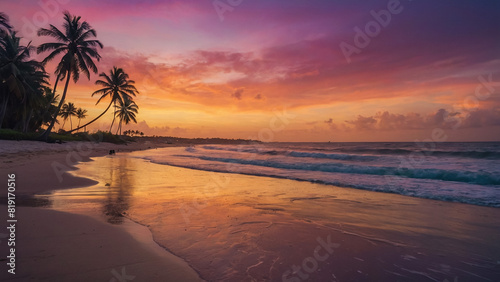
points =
(78, 53)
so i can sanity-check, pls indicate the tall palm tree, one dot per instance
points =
(125, 112)
(117, 86)
(68, 110)
(19, 76)
(77, 49)
(81, 114)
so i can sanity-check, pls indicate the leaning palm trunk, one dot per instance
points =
(114, 116)
(93, 119)
(55, 84)
(45, 135)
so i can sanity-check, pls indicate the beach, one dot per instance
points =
(63, 246)
(235, 227)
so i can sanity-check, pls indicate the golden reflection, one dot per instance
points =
(120, 186)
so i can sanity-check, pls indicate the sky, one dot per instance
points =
(292, 70)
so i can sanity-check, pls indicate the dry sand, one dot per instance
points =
(57, 246)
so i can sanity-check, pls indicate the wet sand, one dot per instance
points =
(64, 246)
(232, 227)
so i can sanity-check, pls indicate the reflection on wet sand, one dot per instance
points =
(120, 187)
(236, 228)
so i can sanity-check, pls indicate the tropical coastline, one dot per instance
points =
(249, 140)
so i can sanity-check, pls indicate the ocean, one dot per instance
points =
(454, 172)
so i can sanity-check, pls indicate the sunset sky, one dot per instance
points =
(231, 68)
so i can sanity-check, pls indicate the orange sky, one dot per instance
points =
(277, 72)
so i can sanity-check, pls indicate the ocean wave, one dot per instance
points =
(419, 173)
(333, 156)
(495, 155)
(395, 184)
(297, 154)
(360, 153)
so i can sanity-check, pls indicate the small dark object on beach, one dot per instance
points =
(112, 152)
(59, 141)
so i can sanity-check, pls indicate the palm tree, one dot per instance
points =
(5, 27)
(45, 112)
(126, 111)
(68, 110)
(19, 76)
(117, 86)
(81, 114)
(36, 82)
(78, 51)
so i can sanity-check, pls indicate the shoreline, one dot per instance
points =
(240, 231)
(120, 251)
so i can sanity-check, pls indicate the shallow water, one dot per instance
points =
(233, 227)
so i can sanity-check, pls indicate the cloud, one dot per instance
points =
(481, 118)
(363, 123)
(442, 118)
(238, 94)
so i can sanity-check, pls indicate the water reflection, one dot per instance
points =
(119, 187)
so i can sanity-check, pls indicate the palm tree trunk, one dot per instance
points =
(110, 103)
(62, 127)
(45, 135)
(114, 116)
(4, 109)
(55, 84)
(78, 126)
(28, 120)
(71, 122)
(119, 127)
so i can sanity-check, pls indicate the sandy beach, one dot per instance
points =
(229, 227)
(60, 246)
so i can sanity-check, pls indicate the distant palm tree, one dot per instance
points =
(68, 110)
(77, 49)
(117, 86)
(126, 113)
(81, 114)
